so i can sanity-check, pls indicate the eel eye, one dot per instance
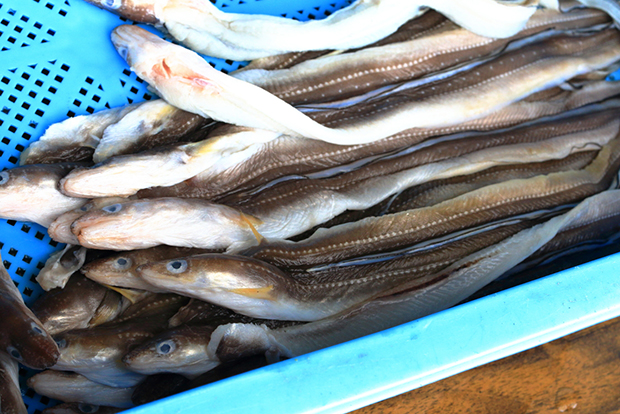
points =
(114, 208)
(177, 266)
(123, 52)
(111, 4)
(14, 353)
(88, 408)
(122, 263)
(37, 329)
(165, 347)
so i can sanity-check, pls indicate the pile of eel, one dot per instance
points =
(344, 182)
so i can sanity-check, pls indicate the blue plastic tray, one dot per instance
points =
(57, 61)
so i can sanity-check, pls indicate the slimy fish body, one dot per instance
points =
(23, 337)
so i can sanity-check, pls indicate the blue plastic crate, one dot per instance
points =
(57, 61)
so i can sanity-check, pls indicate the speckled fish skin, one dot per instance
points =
(73, 139)
(210, 31)
(183, 79)
(72, 307)
(282, 212)
(293, 206)
(225, 160)
(345, 75)
(81, 408)
(339, 242)
(23, 337)
(96, 353)
(120, 269)
(146, 223)
(60, 229)
(72, 387)
(60, 266)
(448, 287)
(434, 192)
(296, 156)
(11, 401)
(359, 116)
(30, 193)
(256, 289)
(197, 312)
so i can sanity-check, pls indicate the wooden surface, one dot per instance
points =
(579, 373)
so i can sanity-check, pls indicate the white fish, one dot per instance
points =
(203, 27)
(185, 80)
(31, 193)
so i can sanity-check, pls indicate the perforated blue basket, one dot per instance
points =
(57, 61)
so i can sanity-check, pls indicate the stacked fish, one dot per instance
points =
(344, 182)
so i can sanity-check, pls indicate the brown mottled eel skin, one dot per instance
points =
(584, 235)
(296, 156)
(441, 47)
(389, 232)
(22, 335)
(437, 191)
(257, 289)
(509, 65)
(260, 202)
